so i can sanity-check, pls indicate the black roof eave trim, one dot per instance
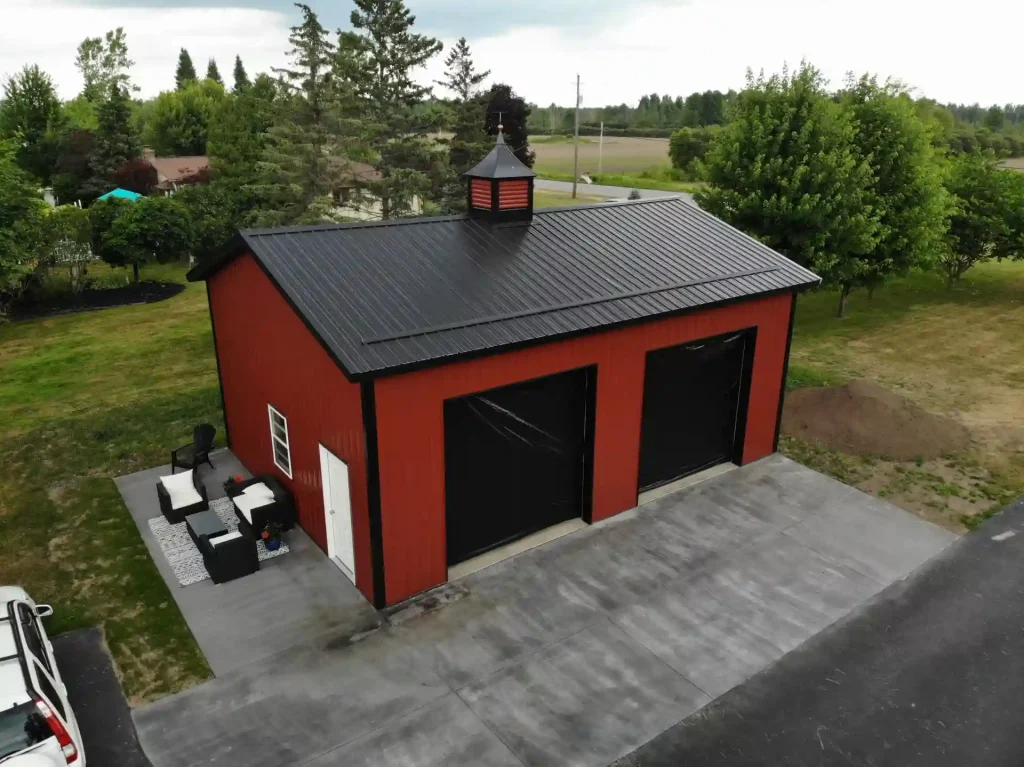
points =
(413, 367)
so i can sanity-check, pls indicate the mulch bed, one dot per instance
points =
(863, 418)
(107, 298)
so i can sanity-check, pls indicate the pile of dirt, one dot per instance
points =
(863, 418)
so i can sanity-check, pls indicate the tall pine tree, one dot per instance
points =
(116, 140)
(241, 78)
(304, 160)
(376, 61)
(469, 143)
(212, 73)
(186, 72)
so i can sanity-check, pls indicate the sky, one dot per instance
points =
(620, 48)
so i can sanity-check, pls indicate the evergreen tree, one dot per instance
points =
(116, 141)
(241, 78)
(186, 72)
(376, 62)
(786, 171)
(503, 107)
(212, 73)
(304, 158)
(31, 113)
(469, 143)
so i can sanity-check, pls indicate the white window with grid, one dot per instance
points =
(279, 441)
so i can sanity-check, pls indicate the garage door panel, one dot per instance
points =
(514, 461)
(694, 407)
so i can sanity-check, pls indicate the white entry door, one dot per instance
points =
(338, 508)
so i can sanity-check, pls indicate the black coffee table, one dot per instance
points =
(205, 524)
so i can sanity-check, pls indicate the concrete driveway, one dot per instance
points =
(575, 653)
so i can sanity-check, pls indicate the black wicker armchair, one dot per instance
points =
(229, 556)
(252, 521)
(176, 500)
(197, 451)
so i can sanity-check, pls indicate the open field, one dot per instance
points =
(83, 398)
(1017, 163)
(621, 155)
(956, 353)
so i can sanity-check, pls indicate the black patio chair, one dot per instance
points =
(197, 451)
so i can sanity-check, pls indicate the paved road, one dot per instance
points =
(598, 190)
(96, 698)
(929, 673)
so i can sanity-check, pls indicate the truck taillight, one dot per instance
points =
(67, 746)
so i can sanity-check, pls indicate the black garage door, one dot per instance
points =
(695, 401)
(517, 460)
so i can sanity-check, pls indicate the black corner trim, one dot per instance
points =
(220, 378)
(369, 402)
(785, 374)
(592, 373)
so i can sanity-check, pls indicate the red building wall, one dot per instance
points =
(267, 355)
(410, 422)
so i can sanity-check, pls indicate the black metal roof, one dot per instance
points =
(390, 296)
(500, 163)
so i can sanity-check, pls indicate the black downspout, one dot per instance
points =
(369, 403)
(216, 354)
(785, 375)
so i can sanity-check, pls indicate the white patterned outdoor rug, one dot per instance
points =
(182, 554)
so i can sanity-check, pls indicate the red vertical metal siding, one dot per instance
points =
(410, 423)
(267, 355)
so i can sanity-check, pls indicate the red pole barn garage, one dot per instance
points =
(440, 387)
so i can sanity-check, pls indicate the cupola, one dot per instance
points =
(500, 187)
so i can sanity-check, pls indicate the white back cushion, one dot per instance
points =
(181, 490)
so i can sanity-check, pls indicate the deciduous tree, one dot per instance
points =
(103, 62)
(988, 217)
(905, 190)
(31, 112)
(180, 120)
(786, 171)
(186, 72)
(66, 240)
(21, 214)
(153, 229)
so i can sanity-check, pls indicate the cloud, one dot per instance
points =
(154, 35)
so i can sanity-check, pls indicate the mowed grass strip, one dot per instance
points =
(955, 352)
(84, 398)
(618, 155)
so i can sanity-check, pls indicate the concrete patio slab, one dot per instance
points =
(575, 652)
(291, 599)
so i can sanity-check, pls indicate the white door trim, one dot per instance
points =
(334, 477)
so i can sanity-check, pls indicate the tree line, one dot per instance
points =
(343, 126)
(859, 184)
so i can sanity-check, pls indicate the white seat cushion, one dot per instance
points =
(181, 490)
(259, 489)
(246, 503)
(224, 538)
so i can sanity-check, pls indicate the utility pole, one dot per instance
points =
(576, 141)
(600, 150)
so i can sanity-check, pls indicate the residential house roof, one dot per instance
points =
(390, 296)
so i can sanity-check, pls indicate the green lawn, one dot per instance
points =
(84, 398)
(954, 352)
(545, 199)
